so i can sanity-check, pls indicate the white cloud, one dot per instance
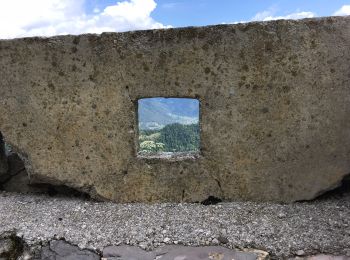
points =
(344, 10)
(19, 18)
(169, 5)
(269, 15)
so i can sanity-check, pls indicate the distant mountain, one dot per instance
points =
(155, 113)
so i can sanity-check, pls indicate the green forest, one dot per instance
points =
(171, 138)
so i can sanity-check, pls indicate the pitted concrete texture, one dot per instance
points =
(275, 105)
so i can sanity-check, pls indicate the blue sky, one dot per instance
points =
(20, 18)
(204, 12)
(180, 13)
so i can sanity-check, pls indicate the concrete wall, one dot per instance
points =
(275, 105)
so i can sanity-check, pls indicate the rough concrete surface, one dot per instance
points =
(274, 109)
(300, 229)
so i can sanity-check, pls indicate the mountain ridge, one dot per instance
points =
(155, 113)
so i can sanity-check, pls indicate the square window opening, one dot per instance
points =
(168, 128)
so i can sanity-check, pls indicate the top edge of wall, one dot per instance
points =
(243, 26)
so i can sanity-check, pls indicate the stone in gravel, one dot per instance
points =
(61, 250)
(215, 241)
(300, 253)
(143, 246)
(282, 215)
(223, 240)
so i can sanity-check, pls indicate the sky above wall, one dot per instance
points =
(20, 18)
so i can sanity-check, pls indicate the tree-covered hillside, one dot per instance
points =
(171, 138)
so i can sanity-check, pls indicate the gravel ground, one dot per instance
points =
(321, 226)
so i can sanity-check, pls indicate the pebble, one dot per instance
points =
(143, 246)
(282, 215)
(223, 240)
(215, 241)
(300, 253)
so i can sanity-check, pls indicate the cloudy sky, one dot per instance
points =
(19, 18)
